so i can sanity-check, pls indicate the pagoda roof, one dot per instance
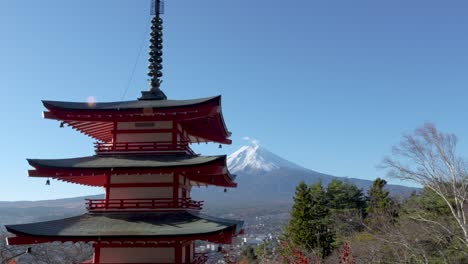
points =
(201, 118)
(125, 105)
(121, 226)
(91, 170)
(125, 161)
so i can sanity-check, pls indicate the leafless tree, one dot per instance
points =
(429, 158)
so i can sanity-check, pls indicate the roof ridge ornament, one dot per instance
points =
(155, 59)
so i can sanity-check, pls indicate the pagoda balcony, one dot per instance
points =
(143, 147)
(142, 204)
(198, 258)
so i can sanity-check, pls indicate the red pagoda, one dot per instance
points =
(144, 162)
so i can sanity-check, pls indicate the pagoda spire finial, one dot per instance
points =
(155, 54)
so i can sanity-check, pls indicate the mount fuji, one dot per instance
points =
(265, 177)
(255, 159)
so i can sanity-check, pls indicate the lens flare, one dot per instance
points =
(91, 101)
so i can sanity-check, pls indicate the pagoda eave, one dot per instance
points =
(99, 179)
(127, 227)
(219, 237)
(93, 171)
(203, 120)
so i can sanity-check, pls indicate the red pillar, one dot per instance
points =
(175, 189)
(174, 134)
(114, 134)
(108, 179)
(178, 253)
(187, 252)
(97, 254)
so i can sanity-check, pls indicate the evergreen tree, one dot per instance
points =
(378, 198)
(310, 227)
(342, 195)
(321, 219)
(348, 207)
(300, 229)
(380, 204)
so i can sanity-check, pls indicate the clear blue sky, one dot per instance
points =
(330, 85)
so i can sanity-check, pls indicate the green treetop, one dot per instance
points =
(309, 227)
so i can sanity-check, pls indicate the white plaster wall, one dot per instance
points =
(195, 183)
(148, 178)
(193, 139)
(137, 255)
(183, 255)
(156, 125)
(140, 193)
(188, 189)
(149, 137)
(191, 252)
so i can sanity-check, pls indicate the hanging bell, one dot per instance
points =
(62, 124)
(225, 190)
(47, 182)
(220, 146)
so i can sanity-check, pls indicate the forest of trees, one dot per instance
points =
(339, 223)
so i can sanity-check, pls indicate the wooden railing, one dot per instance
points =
(198, 258)
(164, 147)
(113, 204)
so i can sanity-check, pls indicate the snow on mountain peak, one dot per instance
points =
(256, 158)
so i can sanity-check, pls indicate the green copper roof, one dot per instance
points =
(108, 225)
(124, 105)
(125, 161)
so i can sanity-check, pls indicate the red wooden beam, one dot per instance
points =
(128, 115)
(139, 245)
(146, 184)
(141, 131)
(103, 134)
(106, 129)
(85, 125)
(192, 121)
(103, 130)
(214, 173)
(49, 115)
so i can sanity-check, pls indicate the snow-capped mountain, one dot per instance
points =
(264, 177)
(255, 158)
